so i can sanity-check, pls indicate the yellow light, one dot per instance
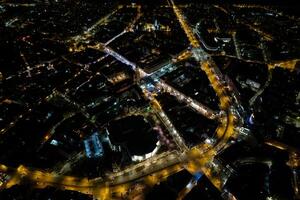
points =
(22, 170)
(13, 181)
(3, 168)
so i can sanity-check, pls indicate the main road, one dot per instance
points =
(153, 170)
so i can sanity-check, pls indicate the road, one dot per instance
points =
(195, 105)
(157, 168)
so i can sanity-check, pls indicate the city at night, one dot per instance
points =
(149, 100)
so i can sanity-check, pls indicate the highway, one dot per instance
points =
(170, 127)
(226, 129)
(209, 48)
(194, 42)
(129, 27)
(91, 31)
(195, 105)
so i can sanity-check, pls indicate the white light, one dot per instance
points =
(54, 142)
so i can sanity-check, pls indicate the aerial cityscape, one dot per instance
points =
(149, 100)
